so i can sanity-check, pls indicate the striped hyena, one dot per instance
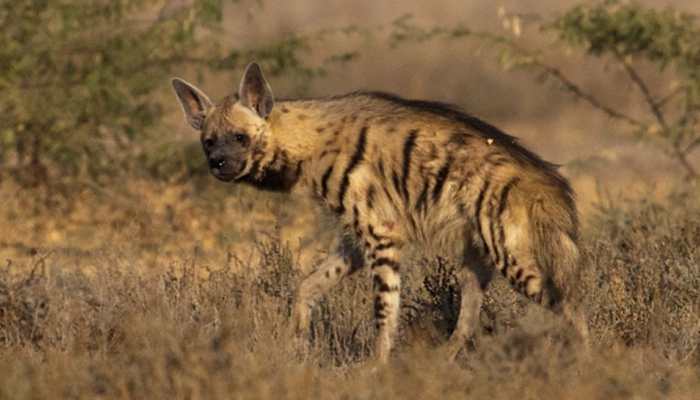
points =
(399, 173)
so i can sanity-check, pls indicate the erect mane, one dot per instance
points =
(475, 125)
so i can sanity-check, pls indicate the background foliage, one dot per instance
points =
(80, 79)
(143, 281)
(629, 35)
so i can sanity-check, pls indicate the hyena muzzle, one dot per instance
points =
(400, 174)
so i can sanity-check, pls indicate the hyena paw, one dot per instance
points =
(301, 321)
(451, 349)
(457, 347)
(301, 347)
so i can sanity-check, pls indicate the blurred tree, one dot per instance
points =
(77, 77)
(628, 33)
(625, 32)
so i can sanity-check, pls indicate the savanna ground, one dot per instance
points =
(181, 287)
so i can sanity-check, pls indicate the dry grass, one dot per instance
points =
(147, 289)
(124, 321)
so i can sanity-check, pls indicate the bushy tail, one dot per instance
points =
(554, 228)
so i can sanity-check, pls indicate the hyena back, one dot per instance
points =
(400, 174)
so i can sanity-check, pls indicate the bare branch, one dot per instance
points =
(680, 154)
(577, 91)
(557, 74)
(648, 97)
(683, 159)
(691, 147)
(664, 100)
(675, 149)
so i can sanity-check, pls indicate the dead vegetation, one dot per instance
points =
(178, 288)
(110, 323)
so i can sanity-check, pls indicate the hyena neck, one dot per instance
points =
(274, 171)
(293, 139)
(295, 127)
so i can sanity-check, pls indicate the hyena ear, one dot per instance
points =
(254, 91)
(194, 102)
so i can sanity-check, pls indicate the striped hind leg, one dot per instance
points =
(468, 320)
(473, 280)
(577, 318)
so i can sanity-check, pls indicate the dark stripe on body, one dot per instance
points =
(408, 147)
(380, 167)
(374, 236)
(324, 181)
(327, 152)
(477, 211)
(354, 161)
(423, 196)
(355, 220)
(388, 195)
(504, 194)
(370, 196)
(441, 178)
(395, 181)
(492, 231)
(501, 209)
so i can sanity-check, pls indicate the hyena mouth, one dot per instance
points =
(242, 172)
(227, 171)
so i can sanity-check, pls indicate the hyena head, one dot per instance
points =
(233, 132)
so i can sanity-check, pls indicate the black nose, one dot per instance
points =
(216, 162)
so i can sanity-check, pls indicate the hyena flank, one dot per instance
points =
(400, 173)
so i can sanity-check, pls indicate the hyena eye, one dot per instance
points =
(208, 143)
(241, 138)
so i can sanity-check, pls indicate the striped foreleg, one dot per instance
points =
(346, 261)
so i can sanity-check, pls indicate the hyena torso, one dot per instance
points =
(399, 173)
